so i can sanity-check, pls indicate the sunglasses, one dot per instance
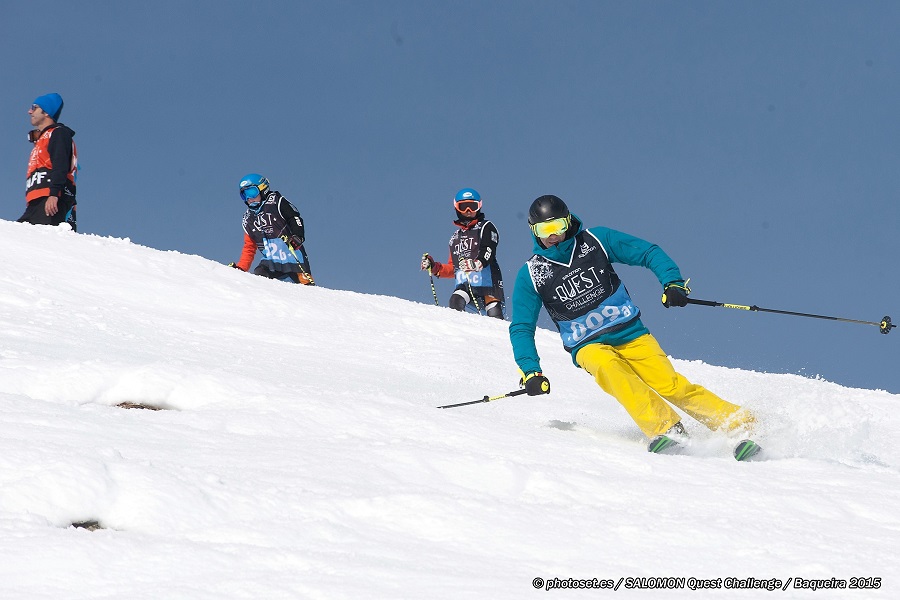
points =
(545, 229)
(34, 107)
(467, 207)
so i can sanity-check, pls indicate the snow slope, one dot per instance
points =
(301, 454)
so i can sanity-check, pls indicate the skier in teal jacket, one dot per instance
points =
(572, 277)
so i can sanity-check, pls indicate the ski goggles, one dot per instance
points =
(467, 207)
(545, 229)
(250, 192)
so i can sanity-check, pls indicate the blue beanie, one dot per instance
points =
(52, 104)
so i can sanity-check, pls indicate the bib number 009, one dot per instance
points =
(598, 319)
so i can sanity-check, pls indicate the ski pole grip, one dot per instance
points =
(703, 302)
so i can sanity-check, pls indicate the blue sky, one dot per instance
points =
(756, 142)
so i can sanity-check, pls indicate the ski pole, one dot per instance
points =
(884, 326)
(299, 262)
(431, 279)
(433, 292)
(486, 399)
(471, 293)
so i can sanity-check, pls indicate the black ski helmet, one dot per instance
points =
(547, 208)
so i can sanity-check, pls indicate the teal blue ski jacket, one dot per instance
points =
(620, 248)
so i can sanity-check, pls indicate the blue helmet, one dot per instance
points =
(253, 188)
(467, 202)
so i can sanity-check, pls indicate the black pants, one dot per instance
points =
(492, 306)
(34, 213)
(264, 271)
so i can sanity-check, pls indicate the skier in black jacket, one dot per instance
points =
(473, 258)
(274, 227)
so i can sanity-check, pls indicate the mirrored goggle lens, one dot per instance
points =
(553, 227)
(249, 193)
(468, 206)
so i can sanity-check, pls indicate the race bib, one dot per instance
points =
(615, 310)
(278, 252)
(476, 278)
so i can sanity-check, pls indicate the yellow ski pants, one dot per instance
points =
(639, 375)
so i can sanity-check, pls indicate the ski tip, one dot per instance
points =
(747, 450)
(663, 444)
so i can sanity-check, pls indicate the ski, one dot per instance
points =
(676, 441)
(663, 444)
(672, 441)
(747, 450)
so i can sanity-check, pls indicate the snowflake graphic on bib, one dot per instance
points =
(541, 271)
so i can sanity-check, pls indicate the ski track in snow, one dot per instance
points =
(300, 454)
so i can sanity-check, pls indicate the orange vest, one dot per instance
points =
(40, 166)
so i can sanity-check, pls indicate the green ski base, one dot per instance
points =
(746, 450)
(663, 444)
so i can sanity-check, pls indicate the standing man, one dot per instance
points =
(473, 258)
(52, 167)
(274, 227)
(572, 277)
